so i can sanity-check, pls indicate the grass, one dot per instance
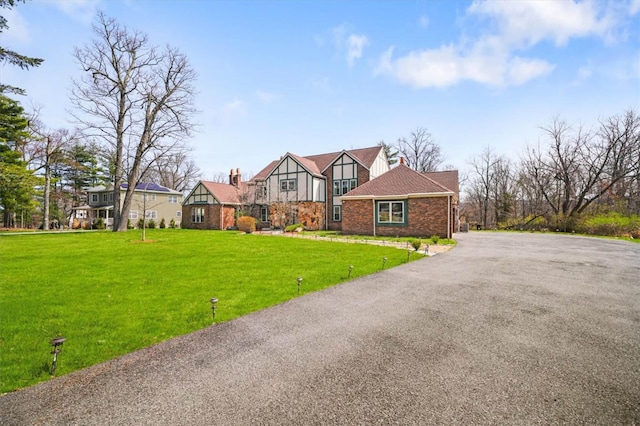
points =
(110, 294)
(339, 235)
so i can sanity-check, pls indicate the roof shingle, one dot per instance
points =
(399, 181)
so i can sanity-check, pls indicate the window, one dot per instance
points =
(104, 198)
(94, 198)
(197, 215)
(111, 196)
(336, 187)
(341, 187)
(133, 214)
(151, 214)
(391, 212)
(287, 185)
(179, 213)
(337, 213)
(264, 213)
(261, 191)
(150, 197)
(173, 199)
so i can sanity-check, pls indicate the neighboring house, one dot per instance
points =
(213, 205)
(403, 202)
(150, 200)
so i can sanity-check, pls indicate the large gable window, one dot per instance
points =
(288, 185)
(197, 215)
(341, 187)
(391, 212)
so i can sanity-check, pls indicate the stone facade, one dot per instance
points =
(426, 217)
(311, 215)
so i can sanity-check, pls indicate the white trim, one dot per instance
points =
(395, 197)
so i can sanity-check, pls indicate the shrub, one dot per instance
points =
(416, 243)
(247, 224)
(292, 228)
(140, 223)
(172, 224)
(151, 224)
(434, 239)
(129, 224)
(163, 224)
(99, 224)
(612, 224)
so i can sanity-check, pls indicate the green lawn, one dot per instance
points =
(110, 294)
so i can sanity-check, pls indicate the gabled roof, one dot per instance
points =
(365, 156)
(223, 192)
(400, 181)
(448, 179)
(148, 187)
(316, 164)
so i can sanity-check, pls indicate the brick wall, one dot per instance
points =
(357, 217)
(426, 217)
(211, 217)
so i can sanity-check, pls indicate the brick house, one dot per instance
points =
(403, 202)
(213, 205)
(335, 191)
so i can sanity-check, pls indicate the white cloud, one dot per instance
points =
(355, 46)
(352, 44)
(491, 58)
(525, 23)
(584, 74)
(634, 7)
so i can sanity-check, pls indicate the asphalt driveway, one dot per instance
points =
(504, 329)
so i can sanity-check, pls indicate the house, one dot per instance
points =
(353, 191)
(150, 200)
(403, 202)
(214, 205)
(292, 189)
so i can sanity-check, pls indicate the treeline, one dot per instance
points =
(575, 179)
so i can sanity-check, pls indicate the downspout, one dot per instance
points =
(448, 216)
(373, 209)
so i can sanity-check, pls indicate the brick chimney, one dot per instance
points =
(235, 178)
(402, 160)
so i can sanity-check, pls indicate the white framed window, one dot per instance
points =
(179, 213)
(94, 198)
(111, 196)
(391, 212)
(104, 197)
(337, 213)
(173, 199)
(197, 215)
(288, 185)
(133, 214)
(150, 197)
(264, 213)
(151, 214)
(341, 187)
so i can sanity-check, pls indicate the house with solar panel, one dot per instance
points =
(353, 191)
(150, 200)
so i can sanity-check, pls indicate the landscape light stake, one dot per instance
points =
(214, 305)
(408, 255)
(57, 348)
(384, 260)
(350, 269)
(426, 250)
(299, 282)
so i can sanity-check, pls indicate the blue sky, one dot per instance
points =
(318, 76)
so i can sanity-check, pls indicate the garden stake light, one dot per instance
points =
(384, 260)
(57, 348)
(299, 282)
(350, 269)
(214, 305)
(408, 255)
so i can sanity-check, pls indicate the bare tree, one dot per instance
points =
(175, 171)
(483, 180)
(135, 97)
(420, 151)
